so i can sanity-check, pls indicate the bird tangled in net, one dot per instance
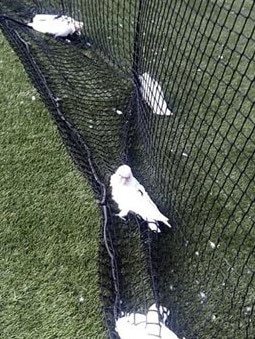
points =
(164, 88)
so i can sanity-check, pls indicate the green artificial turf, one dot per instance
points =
(200, 161)
(49, 222)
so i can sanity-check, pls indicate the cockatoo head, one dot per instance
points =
(124, 173)
(78, 25)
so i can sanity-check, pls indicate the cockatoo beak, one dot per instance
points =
(123, 180)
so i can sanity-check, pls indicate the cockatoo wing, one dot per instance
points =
(153, 94)
(59, 26)
(45, 17)
(53, 26)
(145, 207)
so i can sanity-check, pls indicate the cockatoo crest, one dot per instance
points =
(125, 173)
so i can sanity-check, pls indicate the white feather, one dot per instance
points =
(45, 17)
(131, 196)
(132, 326)
(136, 325)
(154, 96)
(59, 26)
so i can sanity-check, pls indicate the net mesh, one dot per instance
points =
(197, 164)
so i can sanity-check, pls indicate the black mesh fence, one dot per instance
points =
(197, 164)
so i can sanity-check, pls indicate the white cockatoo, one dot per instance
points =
(136, 325)
(152, 93)
(57, 25)
(131, 196)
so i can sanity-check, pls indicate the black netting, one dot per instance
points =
(197, 164)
